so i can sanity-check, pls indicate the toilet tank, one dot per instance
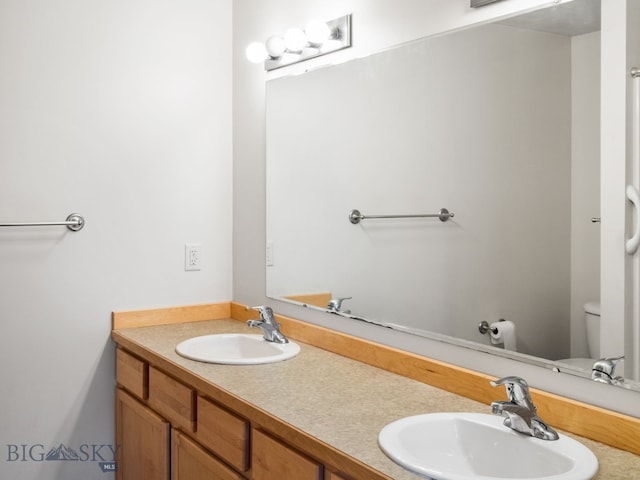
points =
(592, 319)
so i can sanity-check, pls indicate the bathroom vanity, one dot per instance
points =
(180, 419)
(316, 416)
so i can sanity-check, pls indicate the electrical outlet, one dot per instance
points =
(192, 259)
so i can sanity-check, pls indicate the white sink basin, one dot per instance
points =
(475, 446)
(236, 349)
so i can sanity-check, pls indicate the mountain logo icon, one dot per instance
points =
(62, 453)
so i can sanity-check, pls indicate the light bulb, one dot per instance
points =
(295, 40)
(317, 32)
(256, 52)
(275, 46)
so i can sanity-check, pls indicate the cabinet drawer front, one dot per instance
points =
(224, 433)
(171, 399)
(272, 460)
(132, 374)
(190, 462)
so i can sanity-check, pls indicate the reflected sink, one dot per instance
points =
(236, 349)
(476, 446)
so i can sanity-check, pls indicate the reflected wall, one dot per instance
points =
(479, 122)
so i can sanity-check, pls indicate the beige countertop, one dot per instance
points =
(341, 402)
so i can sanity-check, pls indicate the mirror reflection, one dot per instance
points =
(499, 124)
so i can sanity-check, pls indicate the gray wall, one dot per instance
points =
(404, 131)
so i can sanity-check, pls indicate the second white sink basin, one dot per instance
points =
(236, 349)
(475, 446)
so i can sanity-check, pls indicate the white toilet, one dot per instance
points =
(592, 320)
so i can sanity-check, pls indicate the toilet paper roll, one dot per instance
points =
(505, 334)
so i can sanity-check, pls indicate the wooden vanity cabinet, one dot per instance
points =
(148, 404)
(166, 430)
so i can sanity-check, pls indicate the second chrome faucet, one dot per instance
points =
(519, 411)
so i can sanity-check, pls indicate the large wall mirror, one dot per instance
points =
(498, 123)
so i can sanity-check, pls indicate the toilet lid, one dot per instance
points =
(592, 308)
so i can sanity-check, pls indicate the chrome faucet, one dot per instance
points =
(603, 370)
(519, 411)
(267, 323)
(335, 305)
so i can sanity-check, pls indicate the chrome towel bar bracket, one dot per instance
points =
(443, 215)
(74, 222)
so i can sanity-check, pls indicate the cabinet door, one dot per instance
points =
(273, 460)
(142, 439)
(190, 462)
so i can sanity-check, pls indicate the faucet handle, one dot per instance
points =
(510, 380)
(266, 313)
(517, 391)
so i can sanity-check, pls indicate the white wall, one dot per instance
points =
(377, 24)
(121, 111)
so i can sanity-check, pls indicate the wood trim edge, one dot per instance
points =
(604, 426)
(165, 316)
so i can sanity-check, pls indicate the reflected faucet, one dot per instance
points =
(603, 371)
(267, 323)
(519, 411)
(335, 305)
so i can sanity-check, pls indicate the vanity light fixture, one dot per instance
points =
(297, 45)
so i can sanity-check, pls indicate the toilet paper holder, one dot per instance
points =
(484, 327)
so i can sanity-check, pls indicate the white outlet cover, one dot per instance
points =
(192, 257)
